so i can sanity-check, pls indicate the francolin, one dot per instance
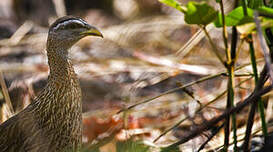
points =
(53, 121)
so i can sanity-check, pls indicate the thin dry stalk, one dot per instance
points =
(6, 93)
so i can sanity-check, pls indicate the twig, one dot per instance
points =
(20, 33)
(197, 111)
(6, 93)
(178, 88)
(257, 93)
(171, 91)
(214, 48)
(210, 137)
(250, 119)
(193, 41)
(259, 102)
(254, 104)
(263, 45)
(212, 122)
(188, 117)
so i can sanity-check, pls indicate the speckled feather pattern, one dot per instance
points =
(53, 122)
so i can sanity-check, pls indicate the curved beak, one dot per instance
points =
(92, 31)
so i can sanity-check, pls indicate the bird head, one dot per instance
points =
(66, 31)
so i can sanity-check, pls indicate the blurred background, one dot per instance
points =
(147, 50)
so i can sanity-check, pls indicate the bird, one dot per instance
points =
(53, 121)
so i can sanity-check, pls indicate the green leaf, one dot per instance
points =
(174, 4)
(251, 27)
(199, 13)
(170, 149)
(235, 17)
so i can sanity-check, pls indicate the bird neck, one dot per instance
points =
(61, 68)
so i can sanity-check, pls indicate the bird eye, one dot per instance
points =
(71, 26)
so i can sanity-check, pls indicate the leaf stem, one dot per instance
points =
(214, 48)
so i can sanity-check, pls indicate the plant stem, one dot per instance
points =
(230, 85)
(214, 48)
(254, 104)
(244, 2)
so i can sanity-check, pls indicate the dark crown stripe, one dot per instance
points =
(65, 20)
(63, 24)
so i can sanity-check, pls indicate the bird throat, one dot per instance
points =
(61, 68)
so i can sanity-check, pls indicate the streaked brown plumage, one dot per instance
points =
(52, 123)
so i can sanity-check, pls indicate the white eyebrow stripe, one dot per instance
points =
(69, 21)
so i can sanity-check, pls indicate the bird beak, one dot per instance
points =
(92, 31)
